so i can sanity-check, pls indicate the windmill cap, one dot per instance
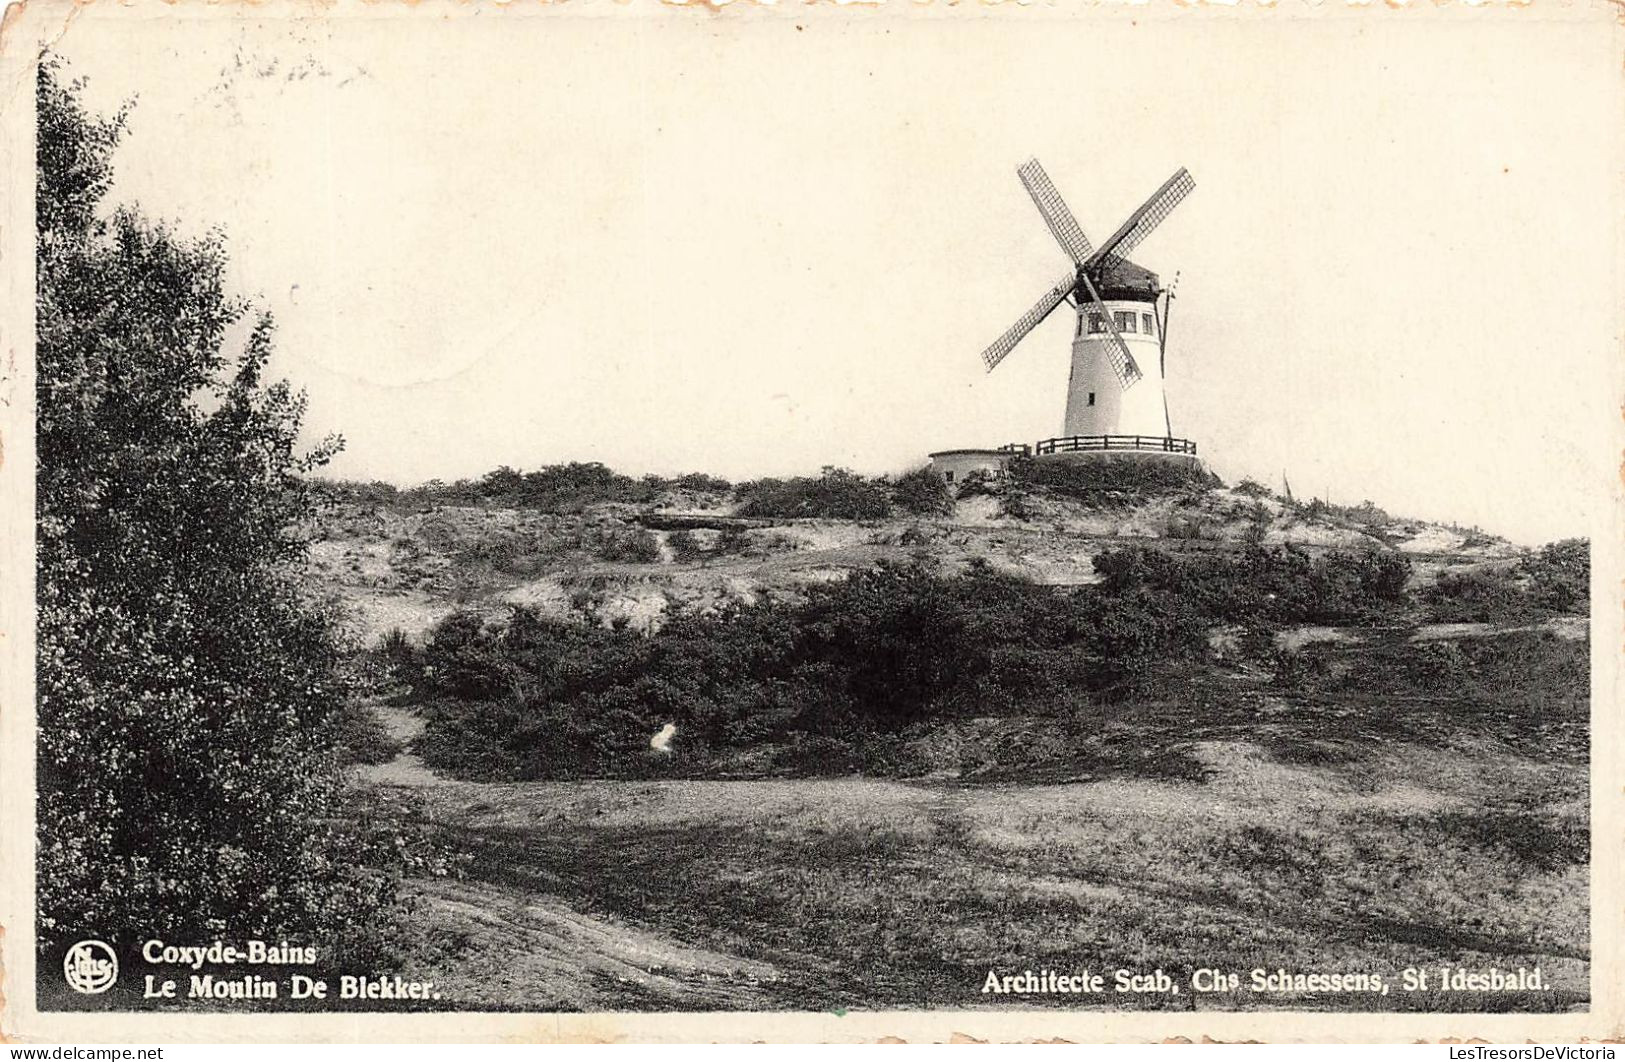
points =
(1121, 279)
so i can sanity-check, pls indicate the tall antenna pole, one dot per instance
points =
(1162, 351)
(1162, 326)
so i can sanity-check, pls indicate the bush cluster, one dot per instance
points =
(1555, 580)
(1107, 481)
(627, 546)
(702, 545)
(559, 488)
(835, 494)
(564, 488)
(923, 493)
(1268, 586)
(853, 661)
(838, 494)
(1529, 689)
(1559, 576)
(872, 654)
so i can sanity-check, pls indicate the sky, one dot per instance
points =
(758, 243)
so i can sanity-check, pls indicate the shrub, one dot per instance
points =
(1259, 519)
(628, 546)
(362, 738)
(510, 553)
(396, 648)
(1367, 514)
(922, 492)
(837, 494)
(563, 699)
(1483, 596)
(1016, 502)
(1109, 481)
(1275, 586)
(189, 698)
(1560, 576)
(861, 663)
(699, 481)
(1555, 579)
(376, 492)
(1251, 488)
(1188, 527)
(685, 546)
(571, 487)
(735, 540)
(690, 546)
(560, 488)
(1136, 628)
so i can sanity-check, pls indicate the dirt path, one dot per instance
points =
(535, 951)
(538, 953)
(1572, 628)
(407, 768)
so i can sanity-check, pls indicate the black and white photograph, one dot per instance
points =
(946, 520)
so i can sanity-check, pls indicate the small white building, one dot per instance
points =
(954, 465)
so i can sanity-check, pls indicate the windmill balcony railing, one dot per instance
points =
(1071, 444)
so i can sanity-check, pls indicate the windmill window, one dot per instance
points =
(948, 477)
(1097, 323)
(1124, 320)
(1148, 324)
(1091, 398)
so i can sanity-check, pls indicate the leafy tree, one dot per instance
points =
(188, 693)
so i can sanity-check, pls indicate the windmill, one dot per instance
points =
(1115, 398)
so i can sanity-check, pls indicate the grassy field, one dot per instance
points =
(1335, 827)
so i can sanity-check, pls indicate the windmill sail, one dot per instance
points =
(1028, 321)
(1117, 352)
(1062, 225)
(1144, 221)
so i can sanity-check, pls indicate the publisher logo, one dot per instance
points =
(90, 967)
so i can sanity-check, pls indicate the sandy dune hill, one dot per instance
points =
(407, 570)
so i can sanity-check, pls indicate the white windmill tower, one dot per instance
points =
(1115, 400)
